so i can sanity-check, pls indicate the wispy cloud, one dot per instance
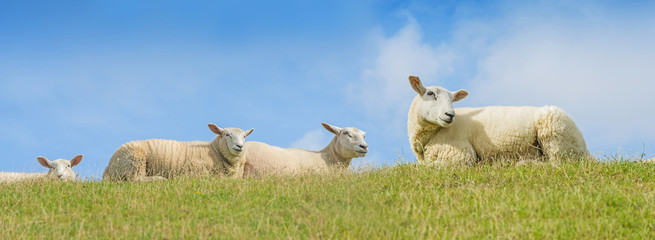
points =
(313, 140)
(383, 89)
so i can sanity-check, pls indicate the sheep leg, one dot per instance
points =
(460, 152)
(558, 135)
(249, 170)
(127, 163)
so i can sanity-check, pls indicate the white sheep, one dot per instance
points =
(157, 159)
(487, 133)
(348, 143)
(61, 169)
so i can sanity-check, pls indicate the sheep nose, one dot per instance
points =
(363, 146)
(238, 147)
(450, 114)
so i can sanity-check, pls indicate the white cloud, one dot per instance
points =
(313, 140)
(383, 88)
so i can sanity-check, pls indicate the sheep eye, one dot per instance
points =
(69, 165)
(228, 135)
(432, 94)
(347, 134)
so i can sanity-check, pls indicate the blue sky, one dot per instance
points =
(84, 77)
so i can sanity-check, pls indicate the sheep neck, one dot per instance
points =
(223, 155)
(332, 157)
(420, 132)
(425, 131)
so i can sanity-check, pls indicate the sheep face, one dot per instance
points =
(435, 104)
(350, 141)
(61, 169)
(234, 138)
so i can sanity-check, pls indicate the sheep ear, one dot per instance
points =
(44, 162)
(459, 95)
(76, 160)
(218, 131)
(417, 85)
(333, 129)
(245, 134)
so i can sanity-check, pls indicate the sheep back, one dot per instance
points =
(166, 158)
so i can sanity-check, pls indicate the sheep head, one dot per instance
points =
(61, 168)
(435, 104)
(234, 138)
(349, 141)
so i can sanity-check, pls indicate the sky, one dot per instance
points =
(84, 77)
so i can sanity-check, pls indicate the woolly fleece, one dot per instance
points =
(264, 159)
(496, 132)
(157, 159)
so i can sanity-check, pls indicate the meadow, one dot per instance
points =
(571, 200)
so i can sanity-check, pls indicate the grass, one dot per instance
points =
(578, 200)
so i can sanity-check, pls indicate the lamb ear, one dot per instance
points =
(459, 95)
(246, 133)
(44, 162)
(333, 129)
(417, 85)
(215, 129)
(76, 160)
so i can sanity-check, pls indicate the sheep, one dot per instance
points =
(348, 143)
(157, 159)
(487, 133)
(60, 169)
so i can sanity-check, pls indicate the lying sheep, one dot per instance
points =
(348, 143)
(158, 159)
(61, 169)
(487, 133)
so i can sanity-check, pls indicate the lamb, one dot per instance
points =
(60, 169)
(348, 143)
(158, 159)
(487, 133)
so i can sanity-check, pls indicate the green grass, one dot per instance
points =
(532, 201)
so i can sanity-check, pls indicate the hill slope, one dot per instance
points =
(564, 200)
